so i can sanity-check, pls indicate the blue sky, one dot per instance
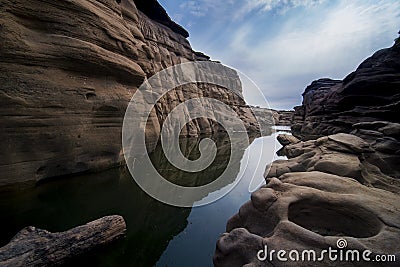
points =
(283, 45)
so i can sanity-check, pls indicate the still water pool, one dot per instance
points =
(157, 234)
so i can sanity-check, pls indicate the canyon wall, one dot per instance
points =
(68, 71)
(370, 93)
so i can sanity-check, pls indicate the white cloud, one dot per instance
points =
(281, 6)
(177, 17)
(195, 8)
(283, 52)
(331, 43)
(205, 9)
(202, 8)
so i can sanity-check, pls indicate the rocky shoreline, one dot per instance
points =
(341, 179)
(328, 188)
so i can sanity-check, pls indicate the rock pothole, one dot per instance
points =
(329, 219)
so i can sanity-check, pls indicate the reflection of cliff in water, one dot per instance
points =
(65, 203)
(221, 172)
(62, 204)
(190, 148)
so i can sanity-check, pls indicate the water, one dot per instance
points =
(157, 234)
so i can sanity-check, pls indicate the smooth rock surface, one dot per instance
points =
(338, 186)
(341, 159)
(311, 211)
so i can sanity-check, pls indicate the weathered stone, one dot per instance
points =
(346, 156)
(287, 139)
(275, 117)
(354, 143)
(386, 145)
(312, 211)
(392, 129)
(366, 99)
(341, 164)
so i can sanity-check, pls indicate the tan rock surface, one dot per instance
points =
(68, 71)
(311, 211)
(330, 188)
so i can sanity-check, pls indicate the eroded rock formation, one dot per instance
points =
(370, 93)
(327, 190)
(344, 155)
(68, 71)
(334, 185)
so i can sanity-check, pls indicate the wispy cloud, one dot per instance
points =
(201, 8)
(278, 6)
(285, 44)
(331, 43)
(205, 9)
(196, 8)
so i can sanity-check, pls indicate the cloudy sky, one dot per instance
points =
(283, 45)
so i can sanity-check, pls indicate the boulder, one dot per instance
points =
(287, 139)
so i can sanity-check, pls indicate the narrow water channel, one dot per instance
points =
(157, 234)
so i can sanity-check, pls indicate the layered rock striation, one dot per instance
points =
(370, 93)
(68, 71)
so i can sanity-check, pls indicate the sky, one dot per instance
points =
(283, 45)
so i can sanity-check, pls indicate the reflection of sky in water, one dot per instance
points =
(195, 245)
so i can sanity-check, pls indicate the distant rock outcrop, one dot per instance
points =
(371, 93)
(271, 116)
(68, 71)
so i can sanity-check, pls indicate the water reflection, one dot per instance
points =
(182, 185)
(65, 203)
(195, 245)
(62, 204)
(157, 234)
(190, 148)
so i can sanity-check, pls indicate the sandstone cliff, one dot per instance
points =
(68, 70)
